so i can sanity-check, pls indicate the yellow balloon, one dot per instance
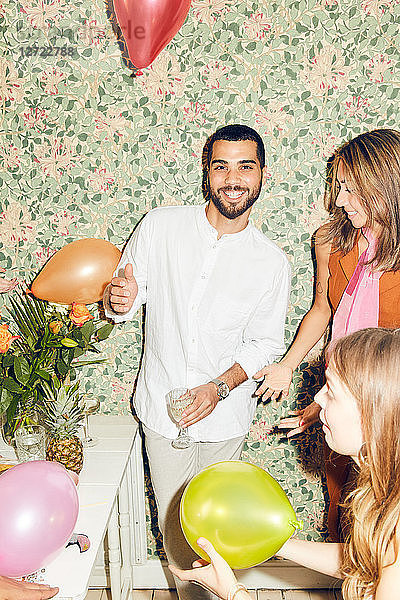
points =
(241, 509)
(79, 272)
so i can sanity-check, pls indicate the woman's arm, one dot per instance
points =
(389, 583)
(278, 376)
(324, 557)
(219, 578)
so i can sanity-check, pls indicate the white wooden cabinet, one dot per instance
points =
(111, 513)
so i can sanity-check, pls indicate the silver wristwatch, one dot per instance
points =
(222, 388)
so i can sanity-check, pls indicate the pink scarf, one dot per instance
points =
(359, 305)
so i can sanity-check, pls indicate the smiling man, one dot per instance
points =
(234, 177)
(216, 294)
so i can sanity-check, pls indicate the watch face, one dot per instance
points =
(223, 390)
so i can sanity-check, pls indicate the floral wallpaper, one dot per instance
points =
(86, 150)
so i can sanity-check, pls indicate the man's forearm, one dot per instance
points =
(234, 376)
(206, 396)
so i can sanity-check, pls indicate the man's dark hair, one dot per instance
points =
(233, 133)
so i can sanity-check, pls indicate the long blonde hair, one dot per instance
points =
(371, 162)
(368, 363)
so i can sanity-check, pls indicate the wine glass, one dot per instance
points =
(177, 400)
(90, 404)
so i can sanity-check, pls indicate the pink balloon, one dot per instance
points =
(38, 511)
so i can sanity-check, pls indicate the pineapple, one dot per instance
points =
(62, 414)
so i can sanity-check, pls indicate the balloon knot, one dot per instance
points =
(136, 73)
(297, 524)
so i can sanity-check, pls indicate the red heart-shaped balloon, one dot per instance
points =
(149, 25)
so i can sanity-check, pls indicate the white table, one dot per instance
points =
(111, 496)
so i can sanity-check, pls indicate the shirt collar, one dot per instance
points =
(212, 233)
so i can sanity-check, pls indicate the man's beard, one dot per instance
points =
(235, 210)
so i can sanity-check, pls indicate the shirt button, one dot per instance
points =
(193, 340)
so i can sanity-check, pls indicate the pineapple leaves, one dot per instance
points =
(74, 388)
(61, 410)
(49, 390)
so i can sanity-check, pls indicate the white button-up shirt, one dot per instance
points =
(209, 303)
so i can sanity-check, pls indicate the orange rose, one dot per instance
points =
(5, 338)
(79, 314)
(55, 326)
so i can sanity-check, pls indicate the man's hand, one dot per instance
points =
(277, 380)
(205, 400)
(123, 291)
(10, 589)
(301, 419)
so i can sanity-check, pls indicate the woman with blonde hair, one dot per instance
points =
(360, 412)
(358, 272)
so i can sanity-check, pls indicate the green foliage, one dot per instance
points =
(44, 353)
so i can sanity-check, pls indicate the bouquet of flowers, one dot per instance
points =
(43, 345)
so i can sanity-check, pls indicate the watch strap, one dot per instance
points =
(221, 385)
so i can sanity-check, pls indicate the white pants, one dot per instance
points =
(171, 469)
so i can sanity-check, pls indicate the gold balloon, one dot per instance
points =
(79, 272)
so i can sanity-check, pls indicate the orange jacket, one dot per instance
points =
(342, 267)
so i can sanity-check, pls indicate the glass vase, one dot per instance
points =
(24, 416)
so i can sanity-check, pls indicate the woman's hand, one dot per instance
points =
(10, 589)
(300, 419)
(277, 380)
(217, 576)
